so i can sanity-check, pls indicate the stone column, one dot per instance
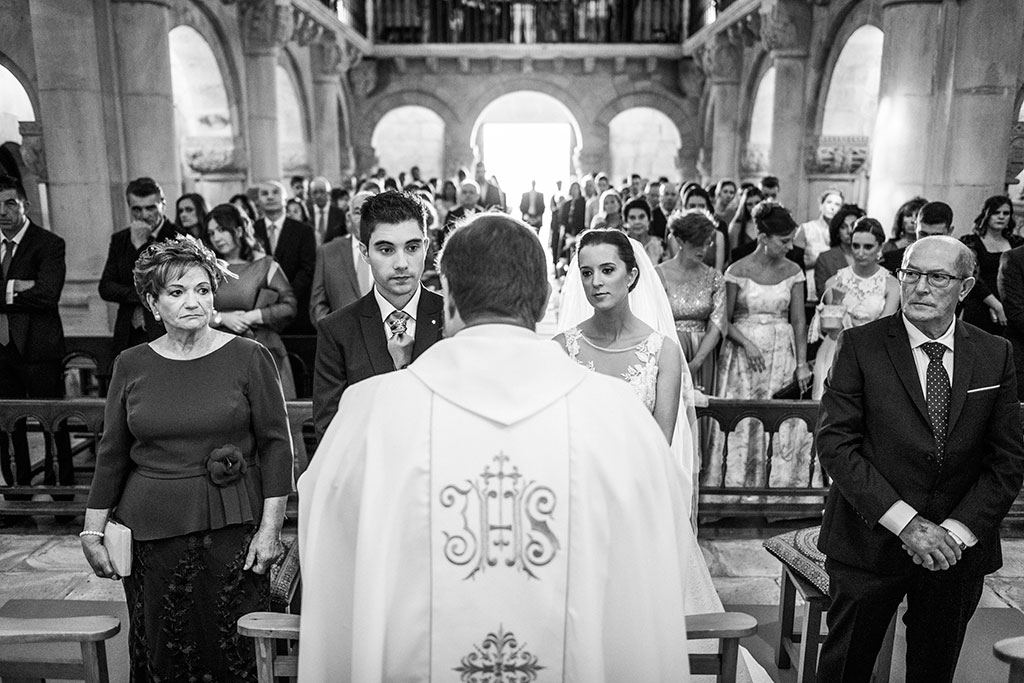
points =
(458, 148)
(147, 101)
(266, 26)
(720, 61)
(785, 32)
(326, 60)
(71, 112)
(962, 86)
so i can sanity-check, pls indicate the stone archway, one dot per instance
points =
(293, 122)
(366, 158)
(757, 147)
(21, 138)
(681, 116)
(410, 135)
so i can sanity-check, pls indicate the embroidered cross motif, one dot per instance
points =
(499, 659)
(504, 520)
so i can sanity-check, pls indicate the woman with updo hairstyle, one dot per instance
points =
(993, 235)
(765, 350)
(858, 294)
(696, 197)
(614, 341)
(610, 215)
(696, 293)
(196, 459)
(743, 228)
(259, 303)
(904, 225)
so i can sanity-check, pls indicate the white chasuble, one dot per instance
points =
(494, 513)
(499, 540)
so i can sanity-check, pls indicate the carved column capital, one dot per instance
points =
(719, 59)
(363, 78)
(266, 24)
(326, 57)
(786, 27)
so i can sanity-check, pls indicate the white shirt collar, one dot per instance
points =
(502, 330)
(20, 235)
(387, 308)
(917, 337)
(279, 223)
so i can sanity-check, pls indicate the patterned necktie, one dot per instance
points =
(937, 395)
(5, 265)
(400, 343)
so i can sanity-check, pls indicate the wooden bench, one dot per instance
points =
(277, 638)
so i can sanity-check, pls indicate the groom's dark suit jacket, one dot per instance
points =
(875, 441)
(351, 347)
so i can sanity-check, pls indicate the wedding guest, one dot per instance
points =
(840, 254)
(904, 225)
(190, 215)
(197, 461)
(993, 235)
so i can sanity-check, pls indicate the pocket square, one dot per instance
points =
(974, 391)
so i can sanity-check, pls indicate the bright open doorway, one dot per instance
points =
(517, 153)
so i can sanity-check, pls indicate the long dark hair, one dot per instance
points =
(228, 217)
(617, 239)
(989, 208)
(909, 208)
(836, 224)
(200, 204)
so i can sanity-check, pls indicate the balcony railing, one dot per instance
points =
(532, 21)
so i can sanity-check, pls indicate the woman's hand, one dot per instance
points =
(234, 321)
(803, 376)
(997, 313)
(264, 549)
(695, 366)
(754, 356)
(97, 557)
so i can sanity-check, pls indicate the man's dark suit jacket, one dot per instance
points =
(351, 347)
(33, 318)
(659, 223)
(875, 441)
(336, 222)
(296, 254)
(117, 285)
(336, 282)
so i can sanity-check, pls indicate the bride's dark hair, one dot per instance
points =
(617, 239)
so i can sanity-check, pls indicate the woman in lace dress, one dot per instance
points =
(614, 341)
(765, 349)
(696, 293)
(865, 290)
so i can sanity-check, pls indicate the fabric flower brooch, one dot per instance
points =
(225, 465)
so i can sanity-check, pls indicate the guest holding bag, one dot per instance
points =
(196, 460)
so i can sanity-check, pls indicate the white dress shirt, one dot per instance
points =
(897, 517)
(274, 229)
(387, 308)
(18, 237)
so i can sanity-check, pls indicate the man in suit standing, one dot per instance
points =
(135, 323)
(293, 246)
(491, 195)
(532, 206)
(328, 220)
(469, 205)
(32, 273)
(341, 276)
(392, 325)
(667, 198)
(919, 429)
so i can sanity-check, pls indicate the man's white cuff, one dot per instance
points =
(897, 517)
(9, 295)
(960, 532)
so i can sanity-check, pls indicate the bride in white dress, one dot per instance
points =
(616, 339)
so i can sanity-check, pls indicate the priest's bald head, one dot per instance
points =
(493, 270)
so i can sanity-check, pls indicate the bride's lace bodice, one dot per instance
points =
(638, 365)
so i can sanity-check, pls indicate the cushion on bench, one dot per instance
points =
(798, 550)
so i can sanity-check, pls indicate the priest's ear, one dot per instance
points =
(453, 322)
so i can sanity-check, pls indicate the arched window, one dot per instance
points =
(410, 136)
(15, 106)
(645, 141)
(291, 129)
(852, 101)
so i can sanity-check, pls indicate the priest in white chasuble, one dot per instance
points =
(495, 512)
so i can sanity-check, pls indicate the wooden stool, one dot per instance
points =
(805, 645)
(267, 628)
(41, 663)
(728, 628)
(1011, 650)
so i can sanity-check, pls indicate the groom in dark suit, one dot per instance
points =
(923, 471)
(392, 325)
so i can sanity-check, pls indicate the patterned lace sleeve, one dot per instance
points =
(572, 342)
(718, 312)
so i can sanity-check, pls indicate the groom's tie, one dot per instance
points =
(937, 395)
(400, 343)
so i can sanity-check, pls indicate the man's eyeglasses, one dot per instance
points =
(937, 280)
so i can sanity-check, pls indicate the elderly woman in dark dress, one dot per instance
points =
(196, 460)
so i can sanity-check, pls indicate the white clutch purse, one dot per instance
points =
(117, 539)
